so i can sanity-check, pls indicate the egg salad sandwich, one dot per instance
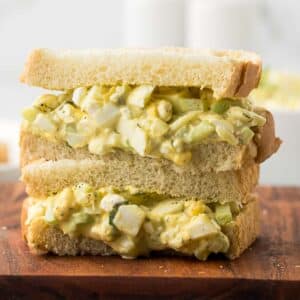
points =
(134, 151)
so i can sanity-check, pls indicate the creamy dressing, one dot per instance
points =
(134, 223)
(147, 120)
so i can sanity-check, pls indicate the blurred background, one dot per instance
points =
(270, 28)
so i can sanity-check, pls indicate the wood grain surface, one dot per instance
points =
(270, 269)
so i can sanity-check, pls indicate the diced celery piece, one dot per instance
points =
(221, 106)
(183, 105)
(223, 214)
(236, 113)
(245, 116)
(246, 135)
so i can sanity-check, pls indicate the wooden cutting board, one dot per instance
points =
(270, 269)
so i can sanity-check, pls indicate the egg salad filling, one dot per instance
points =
(134, 223)
(147, 120)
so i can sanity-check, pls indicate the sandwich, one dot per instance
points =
(136, 151)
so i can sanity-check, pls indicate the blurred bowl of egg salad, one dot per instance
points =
(279, 92)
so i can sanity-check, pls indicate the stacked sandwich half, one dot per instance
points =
(143, 150)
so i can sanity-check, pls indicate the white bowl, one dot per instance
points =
(9, 134)
(283, 168)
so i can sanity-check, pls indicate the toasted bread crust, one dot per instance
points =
(244, 230)
(42, 239)
(265, 139)
(227, 73)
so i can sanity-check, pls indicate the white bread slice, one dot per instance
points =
(42, 238)
(206, 157)
(214, 157)
(227, 73)
(45, 177)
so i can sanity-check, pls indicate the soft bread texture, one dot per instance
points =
(45, 177)
(206, 157)
(243, 231)
(42, 238)
(227, 73)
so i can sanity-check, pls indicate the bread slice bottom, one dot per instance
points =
(43, 238)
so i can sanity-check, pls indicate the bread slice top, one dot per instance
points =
(47, 177)
(42, 238)
(227, 73)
